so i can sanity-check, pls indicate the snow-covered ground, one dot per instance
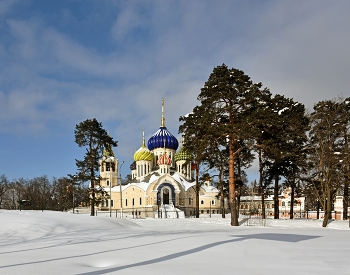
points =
(35, 242)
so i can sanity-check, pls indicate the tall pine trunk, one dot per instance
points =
(231, 185)
(222, 198)
(275, 198)
(92, 172)
(346, 199)
(328, 208)
(197, 190)
(262, 192)
(346, 182)
(291, 209)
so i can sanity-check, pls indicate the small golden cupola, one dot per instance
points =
(143, 159)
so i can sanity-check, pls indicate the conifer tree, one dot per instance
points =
(284, 133)
(328, 151)
(91, 135)
(231, 94)
(194, 130)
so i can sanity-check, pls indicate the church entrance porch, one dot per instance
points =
(166, 194)
(166, 201)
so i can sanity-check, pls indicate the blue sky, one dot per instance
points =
(65, 61)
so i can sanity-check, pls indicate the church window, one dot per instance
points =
(133, 201)
(140, 201)
(202, 202)
(111, 203)
(108, 167)
(189, 201)
(213, 202)
(107, 182)
(126, 202)
(106, 203)
(283, 203)
(145, 168)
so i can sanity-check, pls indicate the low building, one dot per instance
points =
(252, 205)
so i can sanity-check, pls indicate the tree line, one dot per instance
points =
(237, 121)
(40, 193)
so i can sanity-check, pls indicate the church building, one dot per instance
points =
(162, 181)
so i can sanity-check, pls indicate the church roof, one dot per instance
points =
(163, 138)
(143, 153)
(182, 155)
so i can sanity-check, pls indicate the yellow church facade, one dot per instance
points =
(162, 183)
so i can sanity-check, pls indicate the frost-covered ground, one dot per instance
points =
(34, 242)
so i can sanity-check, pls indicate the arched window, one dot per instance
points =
(107, 182)
(202, 201)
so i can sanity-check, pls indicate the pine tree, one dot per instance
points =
(91, 135)
(195, 133)
(284, 133)
(231, 94)
(328, 152)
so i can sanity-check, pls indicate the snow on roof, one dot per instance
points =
(182, 181)
(210, 188)
(153, 178)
